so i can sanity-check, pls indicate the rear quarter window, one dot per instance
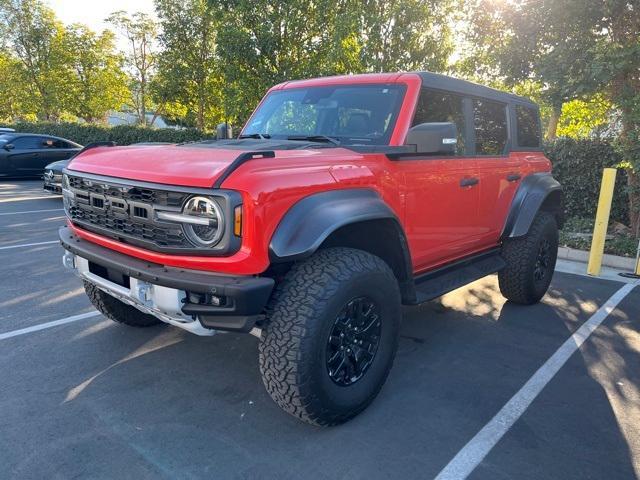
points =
(528, 127)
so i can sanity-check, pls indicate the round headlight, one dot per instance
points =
(207, 226)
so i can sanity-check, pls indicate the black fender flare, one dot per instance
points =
(532, 193)
(311, 220)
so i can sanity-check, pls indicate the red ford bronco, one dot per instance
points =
(342, 199)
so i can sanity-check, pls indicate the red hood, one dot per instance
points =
(177, 165)
(168, 164)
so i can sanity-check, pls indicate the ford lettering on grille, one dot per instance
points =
(127, 212)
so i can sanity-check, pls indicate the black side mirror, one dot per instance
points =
(434, 138)
(8, 147)
(223, 131)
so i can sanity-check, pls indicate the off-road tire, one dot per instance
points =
(301, 314)
(116, 310)
(517, 280)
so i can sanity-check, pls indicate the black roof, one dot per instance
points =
(464, 87)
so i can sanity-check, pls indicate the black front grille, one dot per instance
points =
(138, 194)
(126, 212)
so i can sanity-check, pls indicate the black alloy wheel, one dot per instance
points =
(353, 341)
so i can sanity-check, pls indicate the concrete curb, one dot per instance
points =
(622, 263)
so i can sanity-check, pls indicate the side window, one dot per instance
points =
(490, 124)
(27, 143)
(55, 143)
(435, 106)
(528, 126)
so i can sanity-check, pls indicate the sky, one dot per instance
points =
(93, 12)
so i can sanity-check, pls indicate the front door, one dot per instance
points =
(24, 157)
(442, 192)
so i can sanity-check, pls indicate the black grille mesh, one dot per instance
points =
(146, 231)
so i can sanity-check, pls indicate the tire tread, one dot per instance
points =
(115, 310)
(299, 299)
(520, 254)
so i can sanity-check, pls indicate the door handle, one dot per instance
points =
(513, 177)
(469, 182)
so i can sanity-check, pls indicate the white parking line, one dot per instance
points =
(44, 326)
(467, 459)
(29, 245)
(32, 211)
(22, 199)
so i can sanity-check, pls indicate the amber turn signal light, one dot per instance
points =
(237, 221)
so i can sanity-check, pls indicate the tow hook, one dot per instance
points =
(143, 292)
(69, 260)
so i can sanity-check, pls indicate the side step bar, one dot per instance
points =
(445, 279)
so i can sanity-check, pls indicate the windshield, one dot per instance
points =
(348, 114)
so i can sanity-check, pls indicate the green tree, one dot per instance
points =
(187, 67)
(140, 32)
(585, 118)
(98, 83)
(17, 98)
(544, 41)
(403, 35)
(31, 31)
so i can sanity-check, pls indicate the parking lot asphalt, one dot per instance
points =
(92, 399)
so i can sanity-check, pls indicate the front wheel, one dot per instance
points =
(116, 310)
(331, 335)
(531, 261)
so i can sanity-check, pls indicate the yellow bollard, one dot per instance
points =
(602, 221)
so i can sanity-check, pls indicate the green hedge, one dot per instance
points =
(122, 134)
(578, 164)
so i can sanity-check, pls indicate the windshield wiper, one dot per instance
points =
(256, 135)
(316, 138)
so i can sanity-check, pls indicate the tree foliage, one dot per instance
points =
(141, 56)
(188, 72)
(97, 82)
(17, 97)
(33, 34)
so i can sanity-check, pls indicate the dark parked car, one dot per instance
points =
(53, 176)
(26, 155)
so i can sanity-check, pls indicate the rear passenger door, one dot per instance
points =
(54, 149)
(441, 219)
(499, 170)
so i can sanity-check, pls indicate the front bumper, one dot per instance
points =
(52, 187)
(168, 293)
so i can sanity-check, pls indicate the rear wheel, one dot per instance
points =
(116, 310)
(531, 261)
(331, 335)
